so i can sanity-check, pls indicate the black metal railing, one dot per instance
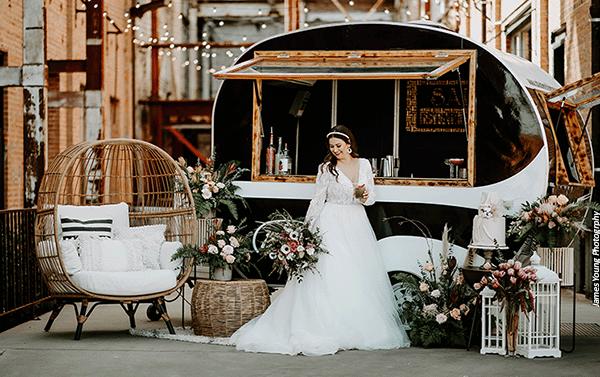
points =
(21, 285)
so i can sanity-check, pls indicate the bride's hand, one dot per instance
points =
(364, 197)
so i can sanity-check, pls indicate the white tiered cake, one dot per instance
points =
(489, 225)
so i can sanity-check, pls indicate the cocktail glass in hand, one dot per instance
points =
(359, 191)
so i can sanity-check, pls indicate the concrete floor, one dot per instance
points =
(107, 349)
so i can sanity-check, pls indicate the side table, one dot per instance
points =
(219, 308)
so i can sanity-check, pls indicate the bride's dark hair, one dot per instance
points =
(343, 133)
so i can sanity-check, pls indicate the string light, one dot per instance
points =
(351, 3)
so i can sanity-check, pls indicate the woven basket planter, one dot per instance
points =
(219, 308)
(560, 260)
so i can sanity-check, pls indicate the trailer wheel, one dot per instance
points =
(402, 294)
(152, 313)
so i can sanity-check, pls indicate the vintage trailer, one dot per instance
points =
(419, 93)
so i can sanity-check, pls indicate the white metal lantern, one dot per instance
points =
(539, 335)
(493, 325)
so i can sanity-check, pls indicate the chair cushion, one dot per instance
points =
(119, 213)
(101, 254)
(147, 241)
(167, 249)
(70, 257)
(131, 283)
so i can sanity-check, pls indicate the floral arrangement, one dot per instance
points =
(290, 244)
(439, 303)
(511, 283)
(213, 187)
(549, 218)
(224, 248)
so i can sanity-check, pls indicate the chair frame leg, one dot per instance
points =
(162, 309)
(130, 309)
(56, 309)
(81, 318)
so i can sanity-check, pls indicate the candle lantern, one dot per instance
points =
(539, 332)
(493, 324)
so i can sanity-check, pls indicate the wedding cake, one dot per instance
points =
(489, 225)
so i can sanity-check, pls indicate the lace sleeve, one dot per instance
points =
(367, 172)
(318, 200)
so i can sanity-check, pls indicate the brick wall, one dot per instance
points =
(65, 39)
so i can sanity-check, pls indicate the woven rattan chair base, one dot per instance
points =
(219, 308)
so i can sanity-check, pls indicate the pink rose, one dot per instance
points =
(510, 272)
(477, 286)
(518, 265)
(497, 273)
(487, 266)
(502, 273)
(495, 283)
(551, 224)
(513, 280)
(527, 216)
(552, 199)
(455, 313)
(424, 287)
(510, 262)
(428, 266)
(484, 281)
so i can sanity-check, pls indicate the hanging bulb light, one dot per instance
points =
(264, 26)
(244, 38)
(221, 23)
(351, 3)
(260, 12)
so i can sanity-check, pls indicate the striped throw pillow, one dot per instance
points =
(72, 228)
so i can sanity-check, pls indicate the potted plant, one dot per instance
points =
(213, 187)
(548, 224)
(511, 284)
(225, 249)
(439, 303)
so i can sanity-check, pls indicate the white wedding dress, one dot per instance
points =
(349, 303)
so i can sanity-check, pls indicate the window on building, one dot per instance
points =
(558, 54)
(518, 33)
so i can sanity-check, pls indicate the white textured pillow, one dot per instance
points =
(166, 251)
(119, 213)
(70, 257)
(102, 254)
(149, 238)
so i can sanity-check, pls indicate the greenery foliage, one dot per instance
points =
(549, 219)
(440, 304)
(213, 188)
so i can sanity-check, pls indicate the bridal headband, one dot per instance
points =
(338, 133)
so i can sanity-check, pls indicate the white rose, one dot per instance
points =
(300, 248)
(229, 259)
(220, 185)
(206, 193)
(310, 250)
(190, 169)
(220, 233)
(234, 241)
(231, 229)
(441, 318)
(221, 243)
(212, 249)
(436, 293)
(228, 249)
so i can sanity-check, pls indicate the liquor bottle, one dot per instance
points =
(270, 155)
(285, 164)
(278, 155)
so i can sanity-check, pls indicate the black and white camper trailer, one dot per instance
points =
(455, 117)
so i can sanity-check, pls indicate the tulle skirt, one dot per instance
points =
(348, 304)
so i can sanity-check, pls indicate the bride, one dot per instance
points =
(348, 303)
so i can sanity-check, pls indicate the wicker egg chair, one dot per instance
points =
(109, 172)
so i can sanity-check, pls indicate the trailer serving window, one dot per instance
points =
(417, 106)
(570, 150)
